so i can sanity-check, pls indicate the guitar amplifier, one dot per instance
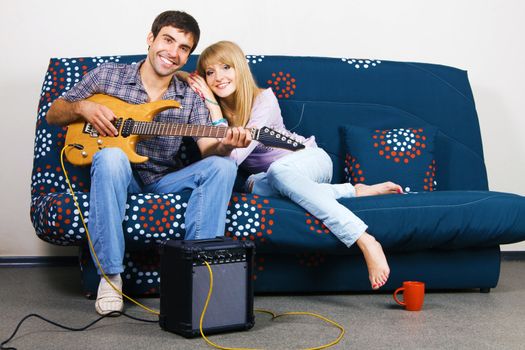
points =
(184, 285)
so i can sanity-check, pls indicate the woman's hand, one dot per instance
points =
(199, 85)
(237, 137)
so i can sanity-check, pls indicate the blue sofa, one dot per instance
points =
(447, 234)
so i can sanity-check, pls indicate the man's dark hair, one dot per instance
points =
(180, 20)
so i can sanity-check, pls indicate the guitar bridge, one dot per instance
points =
(89, 129)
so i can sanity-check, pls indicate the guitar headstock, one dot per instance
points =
(272, 138)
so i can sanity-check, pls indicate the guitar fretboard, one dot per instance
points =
(172, 129)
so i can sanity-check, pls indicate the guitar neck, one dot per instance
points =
(265, 135)
(87, 140)
(173, 129)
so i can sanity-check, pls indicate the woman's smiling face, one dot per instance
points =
(221, 78)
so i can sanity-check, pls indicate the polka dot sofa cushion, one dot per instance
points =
(404, 155)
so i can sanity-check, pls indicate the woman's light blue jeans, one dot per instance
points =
(304, 177)
(211, 181)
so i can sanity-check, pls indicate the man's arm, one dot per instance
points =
(63, 112)
(73, 106)
(235, 138)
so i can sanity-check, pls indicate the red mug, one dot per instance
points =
(413, 295)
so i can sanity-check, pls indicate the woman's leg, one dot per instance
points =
(302, 176)
(258, 184)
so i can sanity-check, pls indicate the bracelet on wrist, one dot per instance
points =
(219, 122)
(210, 101)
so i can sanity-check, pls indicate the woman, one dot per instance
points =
(225, 82)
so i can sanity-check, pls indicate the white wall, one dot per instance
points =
(484, 37)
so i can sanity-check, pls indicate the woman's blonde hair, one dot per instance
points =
(227, 52)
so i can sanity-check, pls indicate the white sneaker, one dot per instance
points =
(109, 300)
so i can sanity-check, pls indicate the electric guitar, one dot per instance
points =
(134, 121)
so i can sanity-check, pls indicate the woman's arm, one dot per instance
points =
(198, 84)
(265, 112)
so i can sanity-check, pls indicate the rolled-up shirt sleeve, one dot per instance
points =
(85, 88)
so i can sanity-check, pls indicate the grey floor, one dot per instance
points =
(450, 320)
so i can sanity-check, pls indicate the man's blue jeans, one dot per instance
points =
(211, 181)
(304, 177)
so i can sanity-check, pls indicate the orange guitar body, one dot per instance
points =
(83, 135)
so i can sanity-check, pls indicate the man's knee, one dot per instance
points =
(111, 161)
(222, 166)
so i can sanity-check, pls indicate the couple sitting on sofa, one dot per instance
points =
(222, 93)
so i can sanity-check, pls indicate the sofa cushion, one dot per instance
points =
(426, 220)
(401, 223)
(150, 218)
(404, 155)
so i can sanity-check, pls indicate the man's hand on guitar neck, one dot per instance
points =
(101, 117)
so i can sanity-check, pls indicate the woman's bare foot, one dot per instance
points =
(378, 270)
(377, 189)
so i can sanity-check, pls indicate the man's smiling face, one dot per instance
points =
(169, 50)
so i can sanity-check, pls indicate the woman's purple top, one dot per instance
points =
(256, 157)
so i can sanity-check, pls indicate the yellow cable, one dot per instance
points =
(210, 290)
(274, 316)
(204, 312)
(89, 239)
(337, 325)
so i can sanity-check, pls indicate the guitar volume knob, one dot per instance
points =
(84, 154)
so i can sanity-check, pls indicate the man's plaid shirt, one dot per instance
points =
(123, 81)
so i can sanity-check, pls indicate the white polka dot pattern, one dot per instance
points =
(249, 218)
(361, 63)
(253, 59)
(149, 218)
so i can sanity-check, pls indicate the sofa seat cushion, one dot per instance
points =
(150, 218)
(426, 220)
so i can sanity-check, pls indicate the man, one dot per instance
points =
(174, 35)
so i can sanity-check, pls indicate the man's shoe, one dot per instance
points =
(108, 299)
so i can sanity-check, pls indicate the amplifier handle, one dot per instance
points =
(206, 240)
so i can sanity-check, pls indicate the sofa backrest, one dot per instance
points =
(317, 96)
